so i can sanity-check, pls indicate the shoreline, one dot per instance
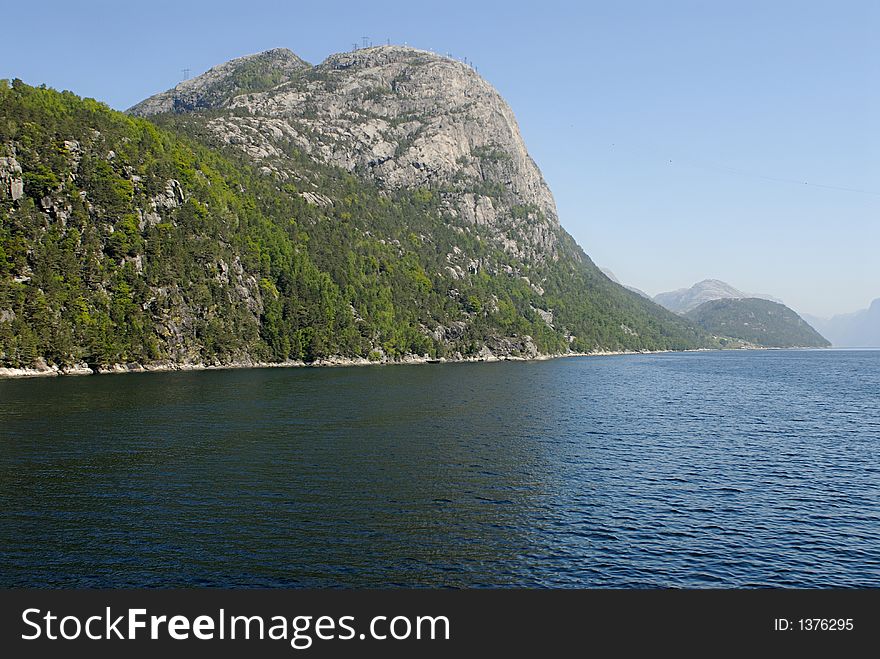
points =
(334, 361)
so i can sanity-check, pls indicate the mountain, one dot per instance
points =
(378, 206)
(686, 299)
(853, 330)
(608, 273)
(756, 321)
(401, 117)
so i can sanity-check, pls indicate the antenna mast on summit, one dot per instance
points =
(185, 74)
(365, 40)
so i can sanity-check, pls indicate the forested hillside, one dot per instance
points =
(123, 241)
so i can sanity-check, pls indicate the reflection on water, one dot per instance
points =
(695, 470)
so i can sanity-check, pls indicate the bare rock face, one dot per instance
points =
(403, 117)
(10, 178)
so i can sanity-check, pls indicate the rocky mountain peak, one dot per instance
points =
(402, 117)
(217, 86)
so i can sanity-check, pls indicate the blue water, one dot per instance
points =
(722, 469)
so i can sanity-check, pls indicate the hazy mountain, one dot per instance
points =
(860, 329)
(756, 321)
(685, 299)
(380, 204)
(610, 275)
(614, 278)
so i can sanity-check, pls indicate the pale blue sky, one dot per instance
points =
(706, 104)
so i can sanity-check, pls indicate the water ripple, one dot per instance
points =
(706, 470)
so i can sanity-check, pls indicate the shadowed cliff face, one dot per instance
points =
(399, 116)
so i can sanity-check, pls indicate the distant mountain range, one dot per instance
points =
(739, 319)
(756, 321)
(685, 299)
(860, 329)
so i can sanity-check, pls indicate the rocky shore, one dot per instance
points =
(44, 370)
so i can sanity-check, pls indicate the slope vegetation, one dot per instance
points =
(123, 241)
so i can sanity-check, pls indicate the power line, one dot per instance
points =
(780, 179)
(777, 179)
(757, 175)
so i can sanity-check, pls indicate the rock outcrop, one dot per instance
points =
(11, 181)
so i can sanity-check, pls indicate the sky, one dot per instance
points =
(682, 140)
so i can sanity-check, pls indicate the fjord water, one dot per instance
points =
(717, 469)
